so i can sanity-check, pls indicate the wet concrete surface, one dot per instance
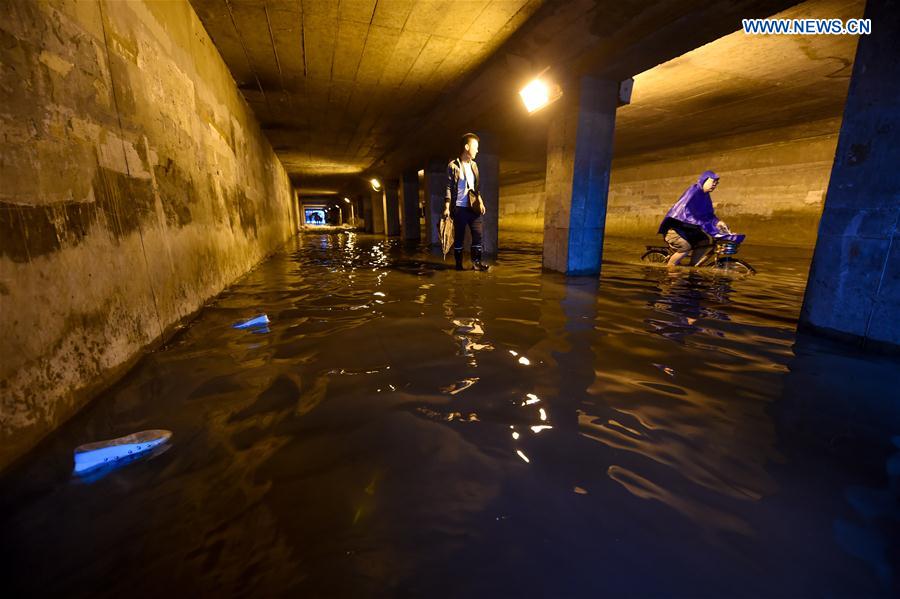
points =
(402, 429)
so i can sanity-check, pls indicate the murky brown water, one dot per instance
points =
(404, 429)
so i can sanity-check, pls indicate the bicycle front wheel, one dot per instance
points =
(655, 257)
(734, 265)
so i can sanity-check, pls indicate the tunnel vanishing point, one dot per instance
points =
(154, 152)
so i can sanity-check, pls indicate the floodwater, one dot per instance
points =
(401, 429)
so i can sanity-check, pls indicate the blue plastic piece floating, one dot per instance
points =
(105, 453)
(257, 321)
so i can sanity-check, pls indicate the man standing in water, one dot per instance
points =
(691, 220)
(462, 201)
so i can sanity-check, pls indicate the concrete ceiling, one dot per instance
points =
(346, 88)
(742, 83)
(333, 81)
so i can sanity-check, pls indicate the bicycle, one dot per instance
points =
(721, 256)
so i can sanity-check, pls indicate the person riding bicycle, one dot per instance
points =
(688, 224)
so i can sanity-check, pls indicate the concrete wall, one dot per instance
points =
(135, 184)
(772, 188)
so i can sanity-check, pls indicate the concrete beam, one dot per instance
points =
(378, 218)
(368, 213)
(579, 158)
(392, 207)
(409, 199)
(435, 185)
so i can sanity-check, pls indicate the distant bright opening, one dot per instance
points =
(315, 216)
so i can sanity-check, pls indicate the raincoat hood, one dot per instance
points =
(694, 208)
(707, 175)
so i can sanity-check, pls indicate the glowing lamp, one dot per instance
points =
(538, 94)
(376, 184)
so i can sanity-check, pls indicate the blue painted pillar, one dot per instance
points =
(579, 156)
(409, 199)
(853, 291)
(392, 207)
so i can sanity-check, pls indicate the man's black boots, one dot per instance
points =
(477, 264)
(457, 254)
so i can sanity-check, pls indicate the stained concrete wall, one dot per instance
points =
(135, 184)
(772, 188)
(522, 207)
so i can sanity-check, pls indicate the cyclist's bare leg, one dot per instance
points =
(676, 258)
(698, 254)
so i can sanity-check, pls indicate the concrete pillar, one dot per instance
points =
(579, 155)
(409, 199)
(392, 207)
(853, 290)
(377, 201)
(368, 213)
(435, 185)
(489, 173)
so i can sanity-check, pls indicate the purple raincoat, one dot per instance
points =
(694, 207)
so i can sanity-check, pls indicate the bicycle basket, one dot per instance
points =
(727, 248)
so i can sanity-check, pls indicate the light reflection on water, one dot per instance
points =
(404, 428)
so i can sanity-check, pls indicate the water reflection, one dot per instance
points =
(645, 434)
(685, 297)
(873, 533)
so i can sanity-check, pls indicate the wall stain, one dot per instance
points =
(123, 200)
(177, 193)
(27, 232)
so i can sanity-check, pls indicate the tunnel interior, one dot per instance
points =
(250, 228)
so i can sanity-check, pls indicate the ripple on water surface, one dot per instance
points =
(400, 427)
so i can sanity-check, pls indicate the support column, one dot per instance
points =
(489, 173)
(368, 213)
(409, 199)
(579, 155)
(853, 290)
(435, 185)
(377, 211)
(392, 207)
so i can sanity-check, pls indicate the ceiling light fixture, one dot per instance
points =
(376, 184)
(538, 94)
(347, 200)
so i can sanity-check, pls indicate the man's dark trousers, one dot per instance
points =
(463, 217)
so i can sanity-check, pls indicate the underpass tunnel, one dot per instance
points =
(158, 153)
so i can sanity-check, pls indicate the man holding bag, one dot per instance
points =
(463, 202)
